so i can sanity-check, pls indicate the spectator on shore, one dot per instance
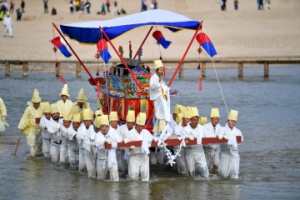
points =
(108, 5)
(123, 11)
(12, 6)
(19, 14)
(46, 7)
(260, 4)
(88, 6)
(53, 11)
(267, 4)
(144, 5)
(102, 10)
(236, 4)
(23, 6)
(71, 5)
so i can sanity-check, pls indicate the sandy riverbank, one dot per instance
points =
(235, 34)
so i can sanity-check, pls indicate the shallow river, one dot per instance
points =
(268, 118)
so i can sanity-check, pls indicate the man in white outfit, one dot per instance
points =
(159, 93)
(64, 135)
(124, 129)
(107, 158)
(194, 154)
(139, 156)
(54, 129)
(85, 127)
(8, 23)
(230, 158)
(73, 148)
(44, 123)
(212, 129)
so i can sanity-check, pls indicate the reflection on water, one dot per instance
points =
(268, 118)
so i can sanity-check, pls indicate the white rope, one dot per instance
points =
(219, 85)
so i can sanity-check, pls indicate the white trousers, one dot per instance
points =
(139, 166)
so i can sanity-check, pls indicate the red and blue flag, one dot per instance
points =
(103, 50)
(63, 49)
(161, 39)
(206, 43)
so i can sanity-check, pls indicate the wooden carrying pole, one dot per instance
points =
(79, 60)
(17, 146)
(137, 52)
(183, 57)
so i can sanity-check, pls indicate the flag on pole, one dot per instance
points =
(63, 49)
(161, 39)
(206, 43)
(103, 50)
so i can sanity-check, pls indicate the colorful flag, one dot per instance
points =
(160, 39)
(103, 50)
(63, 49)
(205, 42)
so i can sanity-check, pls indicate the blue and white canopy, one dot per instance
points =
(89, 32)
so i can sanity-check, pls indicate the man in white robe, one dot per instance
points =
(3, 115)
(73, 148)
(64, 104)
(139, 156)
(85, 127)
(65, 139)
(230, 158)
(194, 154)
(44, 122)
(212, 151)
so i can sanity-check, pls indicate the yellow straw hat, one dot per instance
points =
(104, 120)
(194, 112)
(130, 116)
(54, 108)
(233, 115)
(202, 120)
(46, 107)
(36, 96)
(113, 116)
(187, 113)
(178, 109)
(64, 91)
(99, 112)
(81, 96)
(87, 114)
(214, 113)
(179, 118)
(97, 122)
(158, 64)
(68, 115)
(141, 119)
(76, 117)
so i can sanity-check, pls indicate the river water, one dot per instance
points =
(268, 118)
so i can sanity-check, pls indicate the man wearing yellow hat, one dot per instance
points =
(159, 93)
(73, 148)
(29, 124)
(124, 130)
(186, 118)
(54, 128)
(230, 158)
(213, 129)
(177, 109)
(8, 23)
(64, 104)
(194, 154)
(107, 159)
(65, 140)
(114, 120)
(3, 115)
(86, 126)
(139, 156)
(45, 120)
(81, 103)
(90, 151)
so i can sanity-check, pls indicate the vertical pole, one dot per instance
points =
(25, 68)
(181, 70)
(143, 43)
(78, 69)
(203, 68)
(57, 69)
(182, 59)
(266, 69)
(240, 69)
(7, 68)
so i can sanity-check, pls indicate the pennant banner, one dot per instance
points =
(205, 42)
(103, 50)
(63, 49)
(161, 39)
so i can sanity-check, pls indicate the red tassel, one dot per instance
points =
(63, 79)
(164, 72)
(200, 83)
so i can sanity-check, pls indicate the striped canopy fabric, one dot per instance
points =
(89, 32)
